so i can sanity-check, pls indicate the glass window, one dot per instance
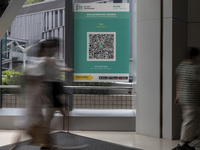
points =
(45, 20)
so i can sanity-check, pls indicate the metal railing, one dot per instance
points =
(103, 97)
(113, 98)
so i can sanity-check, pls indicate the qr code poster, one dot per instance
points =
(101, 46)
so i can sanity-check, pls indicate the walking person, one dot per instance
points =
(188, 97)
(33, 122)
(52, 82)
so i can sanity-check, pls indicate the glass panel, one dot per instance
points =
(36, 21)
(88, 21)
(31, 26)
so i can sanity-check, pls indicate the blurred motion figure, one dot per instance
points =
(188, 96)
(43, 88)
(52, 82)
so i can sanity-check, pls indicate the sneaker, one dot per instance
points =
(184, 147)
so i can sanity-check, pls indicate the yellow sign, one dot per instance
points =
(83, 77)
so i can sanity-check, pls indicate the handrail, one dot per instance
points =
(97, 87)
(75, 87)
(10, 86)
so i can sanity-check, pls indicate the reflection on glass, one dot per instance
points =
(36, 21)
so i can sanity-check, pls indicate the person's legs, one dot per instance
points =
(17, 140)
(190, 123)
(198, 130)
(49, 116)
(62, 111)
(189, 127)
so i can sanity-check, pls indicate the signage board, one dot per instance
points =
(101, 42)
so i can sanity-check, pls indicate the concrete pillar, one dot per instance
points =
(156, 114)
(175, 45)
(148, 68)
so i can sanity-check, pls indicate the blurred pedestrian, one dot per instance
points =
(188, 96)
(52, 81)
(43, 88)
(34, 121)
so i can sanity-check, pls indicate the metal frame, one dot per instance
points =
(161, 67)
(69, 40)
(67, 118)
(98, 87)
(1, 75)
(5, 20)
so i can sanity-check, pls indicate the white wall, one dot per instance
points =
(175, 43)
(167, 76)
(148, 67)
(167, 65)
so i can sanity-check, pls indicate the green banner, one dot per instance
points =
(101, 42)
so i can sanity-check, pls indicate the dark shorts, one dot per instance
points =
(53, 92)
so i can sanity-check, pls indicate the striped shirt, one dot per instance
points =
(188, 74)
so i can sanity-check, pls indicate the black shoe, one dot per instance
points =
(48, 147)
(184, 147)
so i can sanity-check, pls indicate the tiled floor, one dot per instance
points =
(125, 138)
